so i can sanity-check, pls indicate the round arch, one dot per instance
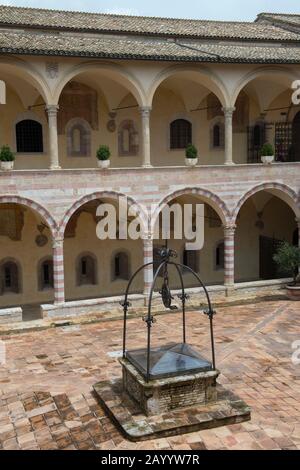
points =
(209, 197)
(117, 72)
(35, 206)
(103, 195)
(210, 80)
(15, 66)
(260, 72)
(282, 191)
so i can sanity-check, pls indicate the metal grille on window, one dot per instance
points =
(180, 133)
(29, 136)
(283, 141)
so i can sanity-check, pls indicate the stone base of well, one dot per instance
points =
(167, 394)
(136, 426)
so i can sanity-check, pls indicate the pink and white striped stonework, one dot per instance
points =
(58, 271)
(148, 258)
(229, 234)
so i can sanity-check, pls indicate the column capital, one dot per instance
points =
(230, 228)
(52, 108)
(148, 237)
(228, 111)
(58, 242)
(145, 110)
(298, 221)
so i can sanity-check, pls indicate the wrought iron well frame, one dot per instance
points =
(166, 255)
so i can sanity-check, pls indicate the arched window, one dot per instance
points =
(86, 270)
(217, 138)
(29, 136)
(220, 255)
(121, 266)
(46, 280)
(180, 134)
(78, 138)
(128, 139)
(257, 136)
(191, 260)
(9, 277)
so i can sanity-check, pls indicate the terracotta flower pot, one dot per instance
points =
(293, 292)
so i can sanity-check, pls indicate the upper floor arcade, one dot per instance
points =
(146, 87)
(55, 114)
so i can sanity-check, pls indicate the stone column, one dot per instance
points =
(58, 271)
(228, 114)
(145, 112)
(148, 258)
(53, 139)
(229, 235)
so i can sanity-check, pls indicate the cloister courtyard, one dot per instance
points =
(47, 402)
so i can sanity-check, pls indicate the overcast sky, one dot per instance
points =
(205, 9)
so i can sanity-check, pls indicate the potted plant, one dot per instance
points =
(267, 154)
(103, 156)
(287, 259)
(191, 155)
(7, 158)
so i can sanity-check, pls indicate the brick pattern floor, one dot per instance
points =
(46, 399)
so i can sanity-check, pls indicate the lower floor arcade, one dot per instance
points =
(39, 267)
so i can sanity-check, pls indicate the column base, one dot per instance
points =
(229, 290)
(55, 167)
(148, 165)
(229, 163)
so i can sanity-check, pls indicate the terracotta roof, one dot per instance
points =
(281, 19)
(129, 47)
(104, 23)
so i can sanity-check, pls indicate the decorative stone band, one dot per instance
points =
(148, 258)
(58, 271)
(229, 233)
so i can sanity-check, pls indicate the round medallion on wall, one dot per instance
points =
(41, 240)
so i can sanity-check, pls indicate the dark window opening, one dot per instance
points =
(121, 266)
(9, 278)
(217, 136)
(87, 271)
(29, 135)
(180, 134)
(191, 260)
(220, 256)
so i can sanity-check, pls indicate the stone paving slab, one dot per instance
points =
(58, 368)
(126, 414)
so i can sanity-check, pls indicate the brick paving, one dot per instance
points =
(46, 398)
